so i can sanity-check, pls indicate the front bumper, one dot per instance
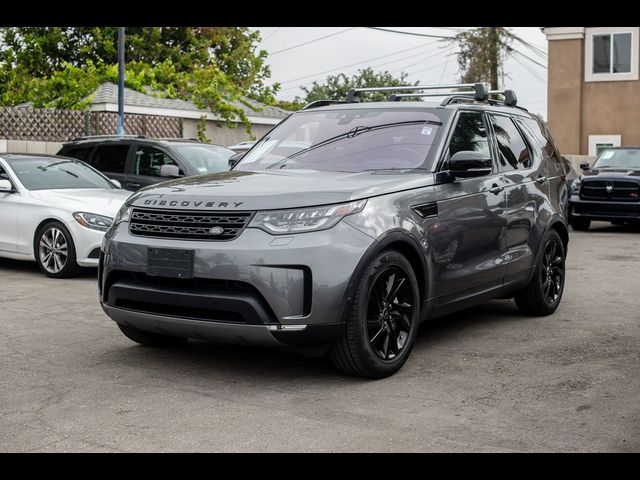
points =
(603, 210)
(256, 289)
(87, 243)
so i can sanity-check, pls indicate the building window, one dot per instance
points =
(611, 54)
(599, 143)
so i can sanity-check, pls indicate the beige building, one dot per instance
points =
(593, 88)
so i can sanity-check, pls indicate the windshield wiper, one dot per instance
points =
(358, 130)
(392, 169)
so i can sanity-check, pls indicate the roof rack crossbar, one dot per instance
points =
(394, 97)
(480, 90)
(88, 137)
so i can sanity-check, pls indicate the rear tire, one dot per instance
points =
(149, 339)
(382, 319)
(543, 294)
(580, 224)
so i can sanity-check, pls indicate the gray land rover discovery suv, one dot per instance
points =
(346, 226)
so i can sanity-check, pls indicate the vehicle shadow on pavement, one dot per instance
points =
(197, 359)
(606, 227)
(27, 267)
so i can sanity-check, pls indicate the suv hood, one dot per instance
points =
(101, 201)
(612, 173)
(264, 190)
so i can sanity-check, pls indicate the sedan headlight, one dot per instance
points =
(93, 221)
(302, 220)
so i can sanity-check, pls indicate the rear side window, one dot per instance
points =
(513, 150)
(81, 153)
(541, 134)
(110, 158)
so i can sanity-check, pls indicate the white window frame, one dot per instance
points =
(595, 140)
(589, 76)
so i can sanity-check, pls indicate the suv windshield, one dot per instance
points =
(623, 158)
(205, 158)
(55, 173)
(354, 140)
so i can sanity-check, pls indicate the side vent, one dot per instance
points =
(426, 210)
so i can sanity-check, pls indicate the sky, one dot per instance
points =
(427, 60)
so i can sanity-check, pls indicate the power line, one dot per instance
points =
(529, 69)
(532, 47)
(445, 65)
(271, 34)
(511, 49)
(363, 61)
(408, 33)
(419, 61)
(311, 41)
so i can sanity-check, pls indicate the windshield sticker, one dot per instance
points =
(427, 130)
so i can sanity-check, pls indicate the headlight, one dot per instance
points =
(123, 214)
(93, 221)
(575, 186)
(302, 220)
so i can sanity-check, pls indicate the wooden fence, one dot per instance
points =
(52, 125)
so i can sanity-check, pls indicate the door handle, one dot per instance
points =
(133, 185)
(496, 189)
(541, 179)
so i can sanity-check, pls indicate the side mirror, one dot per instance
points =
(467, 164)
(6, 186)
(115, 182)
(585, 166)
(234, 159)
(169, 171)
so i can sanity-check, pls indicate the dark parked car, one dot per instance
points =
(608, 190)
(344, 228)
(137, 162)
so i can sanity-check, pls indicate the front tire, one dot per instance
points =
(580, 224)
(149, 339)
(382, 320)
(55, 251)
(543, 294)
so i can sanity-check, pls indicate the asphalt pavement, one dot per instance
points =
(486, 379)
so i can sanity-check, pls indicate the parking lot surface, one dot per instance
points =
(486, 379)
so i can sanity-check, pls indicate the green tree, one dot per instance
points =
(481, 54)
(336, 86)
(60, 66)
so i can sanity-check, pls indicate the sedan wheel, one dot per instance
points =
(55, 251)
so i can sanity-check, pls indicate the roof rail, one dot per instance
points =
(322, 103)
(510, 98)
(89, 137)
(480, 91)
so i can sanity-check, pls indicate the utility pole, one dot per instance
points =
(494, 56)
(120, 130)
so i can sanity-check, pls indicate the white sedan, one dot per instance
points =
(55, 210)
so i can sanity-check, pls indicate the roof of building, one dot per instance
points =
(108, 93)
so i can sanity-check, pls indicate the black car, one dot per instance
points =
(608, 190)
(137, 162)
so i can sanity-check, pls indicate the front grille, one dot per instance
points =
(612, 190)
(187, 225)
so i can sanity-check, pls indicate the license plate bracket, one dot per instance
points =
(170, 262)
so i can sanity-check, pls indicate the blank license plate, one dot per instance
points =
(169, 262)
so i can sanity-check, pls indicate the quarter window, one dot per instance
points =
(514, 153)
(148, 161)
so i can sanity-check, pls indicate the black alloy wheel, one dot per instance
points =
(389, 313)
(382, 319)
(552, 271)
